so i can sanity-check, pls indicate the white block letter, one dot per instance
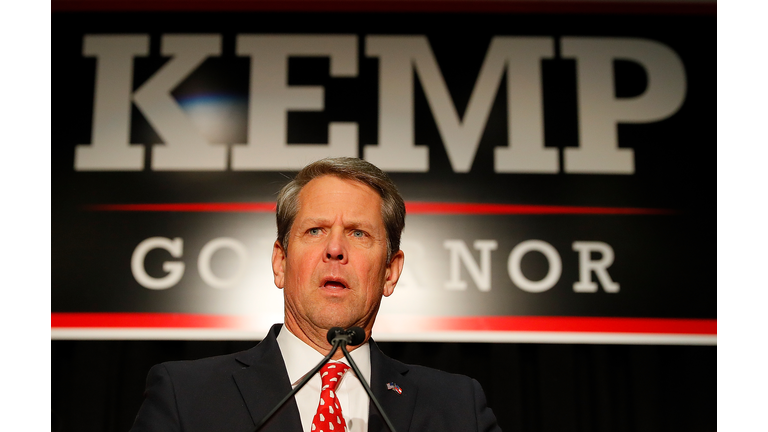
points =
(271, 98)
(400, 55)
(396, 150)
(175, 269)
(204, 262)
(481, 274)
(110, 148)
(587, 266)
(184, 147)
(600, 110)
(516, 274)
(525, 112)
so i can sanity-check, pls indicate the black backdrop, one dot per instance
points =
(98, 385)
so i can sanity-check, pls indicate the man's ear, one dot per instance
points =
(394, 269)
(278, 264)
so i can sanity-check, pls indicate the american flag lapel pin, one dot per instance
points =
(394, 387)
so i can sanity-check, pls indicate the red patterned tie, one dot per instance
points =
(328, 416)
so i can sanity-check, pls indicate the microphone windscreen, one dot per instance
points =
(332, 334)
(358, 335)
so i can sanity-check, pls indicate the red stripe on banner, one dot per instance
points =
(143, 320)
(496, 6)
(411, 208)
(573, 324)
(188, 207)
(490, 209)
(490, 323)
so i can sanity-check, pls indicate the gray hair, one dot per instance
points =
(392, 205)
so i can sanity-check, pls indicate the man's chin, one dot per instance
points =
(328, 322)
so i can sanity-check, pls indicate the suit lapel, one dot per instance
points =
(398, 406)
(263, 382)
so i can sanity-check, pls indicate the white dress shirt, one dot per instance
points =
(300, 358)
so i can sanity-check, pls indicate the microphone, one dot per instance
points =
(337, 337)
(351, 337)
(356, 336)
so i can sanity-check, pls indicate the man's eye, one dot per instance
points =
(358, 234)
(314, 231)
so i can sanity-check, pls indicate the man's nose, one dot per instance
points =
(336, 248)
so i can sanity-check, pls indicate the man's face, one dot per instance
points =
(334, 271)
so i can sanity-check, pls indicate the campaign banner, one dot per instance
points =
(558, 169)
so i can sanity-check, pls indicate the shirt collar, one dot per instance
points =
(300, 358)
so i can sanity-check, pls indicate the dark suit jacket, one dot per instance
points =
(234, 392)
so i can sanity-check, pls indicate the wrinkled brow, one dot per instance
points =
(349, 224)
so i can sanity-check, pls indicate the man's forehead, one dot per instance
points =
(318, 193)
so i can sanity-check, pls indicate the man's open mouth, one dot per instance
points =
(334, 284)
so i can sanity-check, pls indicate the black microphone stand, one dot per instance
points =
(367, 387)
(304, 381)
(338, 338)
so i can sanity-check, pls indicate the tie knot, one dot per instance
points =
(331, 374)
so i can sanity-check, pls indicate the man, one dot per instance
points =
(337, 253)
